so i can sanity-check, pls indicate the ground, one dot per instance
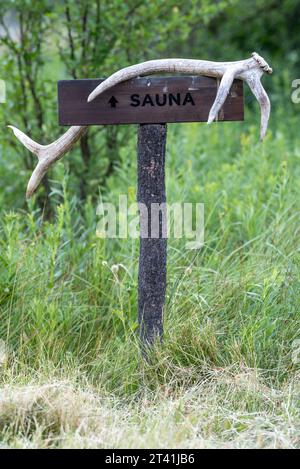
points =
(227, 374)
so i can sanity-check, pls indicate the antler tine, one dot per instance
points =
(222, 94)
(47, 154)
(259, 92)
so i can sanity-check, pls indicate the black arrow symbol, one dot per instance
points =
(113, 101)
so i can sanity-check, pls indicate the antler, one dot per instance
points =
(47, 154)
(249, 70)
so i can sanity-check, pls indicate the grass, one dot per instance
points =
(71, 374)
(227, 409)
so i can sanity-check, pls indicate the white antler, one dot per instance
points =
(47, 154)
(249, 70)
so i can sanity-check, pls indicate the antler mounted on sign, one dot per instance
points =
(249, 70)
(204, 98)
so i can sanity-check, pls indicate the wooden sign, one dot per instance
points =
(147, 100)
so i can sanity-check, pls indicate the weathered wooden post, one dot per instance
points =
(152, 102)
(153, 250)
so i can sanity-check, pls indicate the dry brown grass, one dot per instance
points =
(228, 410)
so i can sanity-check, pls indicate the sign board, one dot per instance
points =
(147, 100)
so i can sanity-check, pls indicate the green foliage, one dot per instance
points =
(42, 43)
(68, 299)
(65, 294)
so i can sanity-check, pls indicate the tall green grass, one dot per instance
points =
(68, 300)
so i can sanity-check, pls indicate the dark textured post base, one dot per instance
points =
(153, 251)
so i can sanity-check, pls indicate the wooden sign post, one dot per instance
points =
(151, 103)
(152, 139)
